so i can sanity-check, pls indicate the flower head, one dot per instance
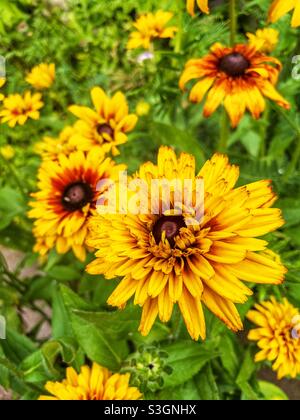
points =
(265, 40)
(41, 76)
(281, 7)
(92, 383)
(151, 26)
(7, 152)
(164, 259)
(107, 125)
(202, 4)
(238, 77)
(67, 196)
(50, 148)
(277, 335)
(17, 109)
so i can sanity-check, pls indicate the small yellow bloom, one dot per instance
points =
(2, 82)
(142, 108)
(17, 109)
(50, 148)
(202, 4)
(265, 40)
(7, 152)
(281, 7)
(41, 76)
(149, 27)
(106, 126)
(277, 335)
(92, 383)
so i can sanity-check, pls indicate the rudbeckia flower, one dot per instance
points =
(281, 7)
(50, 148)
(265, 40)
(149, 27)
(164, 259)
(17, 109)
(92, 383)
(238, 77)
(202, 4)
(41, 76)
(66, 198)
(277, 335)
(107, 125)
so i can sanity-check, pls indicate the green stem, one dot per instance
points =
(295, 160)
(224, 132)
(15, 176)
(178, 41)
(263, 132)
(233, 21)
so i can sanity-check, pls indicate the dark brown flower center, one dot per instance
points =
(105, 129)
(171, 225)
(76, 196)
(234, 64)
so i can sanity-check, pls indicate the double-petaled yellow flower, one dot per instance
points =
(281, 7)
(202, 4)
(42, 76)
(18, 109)
(164, 259)
(106, 126)
(264, 40)
(277, 335)
(238, 77)
(67, 196)
(50, 148)
(92, 383)
(149, 27)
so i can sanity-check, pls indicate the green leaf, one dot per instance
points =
(10, 206)
(64, 273)
(246, 373)
(206, 384)
(61, 323)
(229, 357)
(17, 346)
(271, 391)
(187, 359)
(251, 140)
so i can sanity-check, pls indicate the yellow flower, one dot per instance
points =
(277, 336)
(7, 152)
(151, 26)
(202, 4)
(66, 198)
(281, 7)
(2, 83)
(95, 383)
(142, 108)
(163, 259)
(238, 77)
(264, 40)
(50, 148)
(107, 125)
(41, 76)
(17, 109)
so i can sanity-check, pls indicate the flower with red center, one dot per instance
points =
(107, 125)
(164, 259)
(67, 196)
(238, 77)
(17, 109)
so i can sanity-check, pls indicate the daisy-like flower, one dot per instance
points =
(238, 77)
(67, 196)
(277, 335)
(164, 259)
(17, 109)
(149, 27)
(202, 4)
(2, 83)
(107, 125)
(265, 40)
(280, 8)
(50, 148)
(92, 383)
(42, 76)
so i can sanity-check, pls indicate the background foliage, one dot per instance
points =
(86, 40)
